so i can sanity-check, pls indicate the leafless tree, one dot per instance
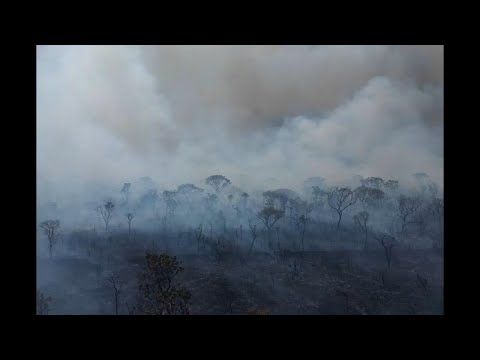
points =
(50, 229)
(113, 279)
(198, 236)
(340, 199)
(407, 208)
(129, 217)
(269, 216)
(387, 242)
(301, 218)
(423, 283)
(217, 182)
(253, 233)
(106, 212)
(361, 220)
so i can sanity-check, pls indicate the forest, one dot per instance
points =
(239, 180)
(365, 246)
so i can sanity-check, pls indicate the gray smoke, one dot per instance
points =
(257, 114)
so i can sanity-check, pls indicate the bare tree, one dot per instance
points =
(423, 283)
(217, 182)
(43, 303)
(387, 242)
(269, 216)
(199, 235)
(407, 208)
(106, 212)
(301, 217)
(129, 217)
(113, 279)
(340, 199)
(50, 229)
(301, 225)
(361, 220)
(253, 233)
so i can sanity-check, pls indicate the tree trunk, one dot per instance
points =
(303, 236)
(339, 219)
(388, 255)
(50, 248)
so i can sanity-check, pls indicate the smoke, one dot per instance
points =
(256, 114)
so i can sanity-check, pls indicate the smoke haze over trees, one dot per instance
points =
(241, 168)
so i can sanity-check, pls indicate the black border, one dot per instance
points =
(295, 323)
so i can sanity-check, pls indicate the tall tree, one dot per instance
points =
(361, 220)
(50, 229)
(340, 199)
(106, 212)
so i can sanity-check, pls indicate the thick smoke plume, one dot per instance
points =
(264, 116)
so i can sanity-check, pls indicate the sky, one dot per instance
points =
(264, 116)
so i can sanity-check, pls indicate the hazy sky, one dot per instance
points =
(110, 114)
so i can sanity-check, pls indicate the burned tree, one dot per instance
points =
(161, 296)
(253, 233)
(113, 279)
(106, 212)
(340, 199)
(407, 208)
(361, 220)
(301, 218)
(199, 236)
(50, 229)
(269, 216)
(129, 217)
(217, 182)
(387, 242)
